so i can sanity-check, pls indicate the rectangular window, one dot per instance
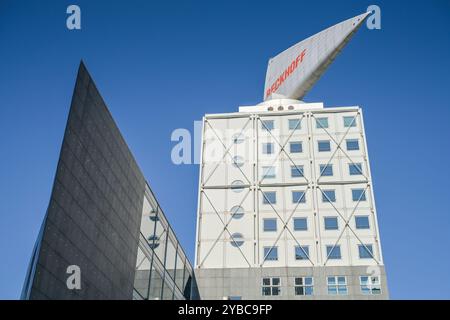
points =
(334, 252)
(328, 196)
(270, 224)
(294, 124)
(321, 123)
(352, 144)
(296, 171)
(295, 147)
(324, 145)
(268, 172)
(298, 197)
(326, 170)
(267, 148)
(355, 169)
(365, 251)
(300, 224)
(267, 125)
(331, 223)
(337, 285)
(269, 197)
(362, 222)
(350, 121)
(301, 252)
(370, 285)
(270, 253)
(271, 286)
(304, 286)
(359, 195)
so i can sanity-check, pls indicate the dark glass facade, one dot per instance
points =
(103, 218)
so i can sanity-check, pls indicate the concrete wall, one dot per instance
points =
(216, 284)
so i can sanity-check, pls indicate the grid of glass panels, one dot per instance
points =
(162, 269)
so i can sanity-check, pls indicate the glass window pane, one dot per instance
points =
(341, 280)
(324, 145)
(171, 256)
(366, 251)
(326, 169)
(267, 125)
(237, 239)
(342, 289)
(355, 169)
(331, 223)
(352, 144)
(350, 121)
(275, 291)
(268, 172)
(300, 224)
(298, 197)
(333, 252)
(167, 291)
(362, 222)
(308, 281)
(270, 224)
(358, 195)
(267, 148)
(237, 212)
(179, 271)
(270, 253)
(301, 252)
(294, 124)
(142, 274)
(321, 123)
(296, 171)
(295, 147)
(155, 284)
(269, 197)
(266, 291)
(328, 196)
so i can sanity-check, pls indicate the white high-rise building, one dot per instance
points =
(286, 206)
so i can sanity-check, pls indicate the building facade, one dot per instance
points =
(286, 205)
(103, 224)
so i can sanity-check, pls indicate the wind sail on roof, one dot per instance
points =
(293, 72)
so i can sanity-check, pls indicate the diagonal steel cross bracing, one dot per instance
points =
(285, 226)
(338, 144)
(347, 225)
(282, 147)
(227, 151)
(225, 228)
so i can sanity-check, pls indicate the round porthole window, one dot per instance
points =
(153, 241)
(291, 107)
(238, 138)
(238, 161)
(237, 186)
(237, 212)
(237, 240)
(270, 109)
(280, 108)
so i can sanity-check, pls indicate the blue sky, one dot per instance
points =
(161, 65)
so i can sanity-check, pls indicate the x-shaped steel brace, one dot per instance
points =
(227, 152)
(338, 144)
(347, 224)
(225, 228)
(285, 226)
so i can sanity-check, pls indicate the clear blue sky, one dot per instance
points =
(160, 65)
